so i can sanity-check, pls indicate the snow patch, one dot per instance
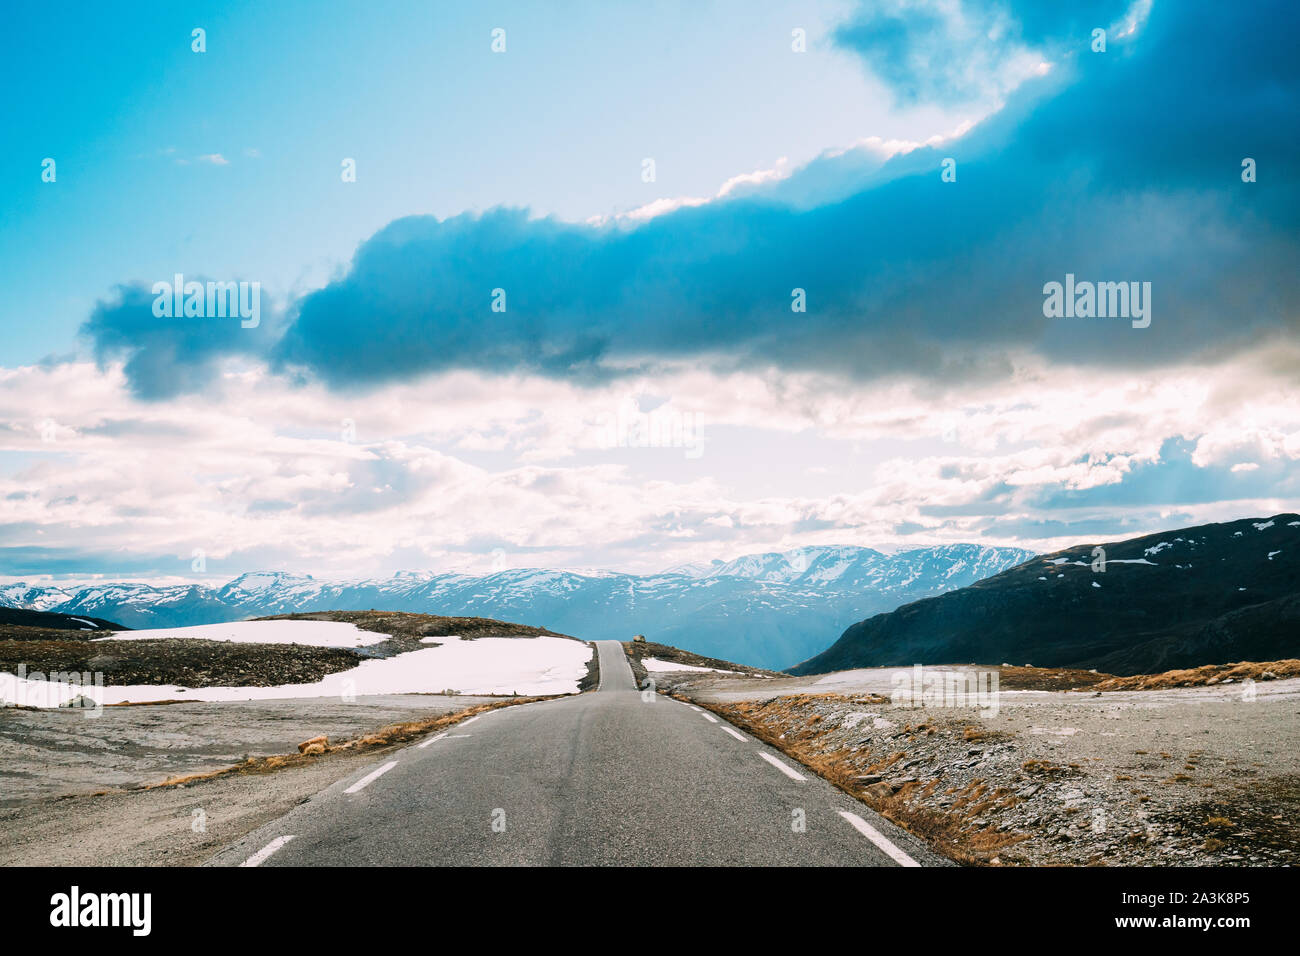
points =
(655, 665)
(531, 666)
(313, 633)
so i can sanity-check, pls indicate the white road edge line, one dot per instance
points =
(371, 777)
(260, 857)
(709, 717)
(431, 740)
(792, 774)
(878, 838)
(734, 734)
(470, 720)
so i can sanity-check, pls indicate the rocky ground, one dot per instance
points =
(1205, 775)
(180, 661)
(47, 754)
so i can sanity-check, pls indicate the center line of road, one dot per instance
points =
(429, 741)
(733, 733)
(371, 777)
(258, 858)
(878, 838)
(792, 774)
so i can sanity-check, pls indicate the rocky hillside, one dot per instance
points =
(12, 617)
(1204, 595)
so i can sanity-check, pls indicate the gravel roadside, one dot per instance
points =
(1185, 776)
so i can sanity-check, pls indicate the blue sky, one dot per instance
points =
(436, 122)
(648, 397)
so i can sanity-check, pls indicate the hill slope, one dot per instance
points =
(19, 617)
(1203, 595)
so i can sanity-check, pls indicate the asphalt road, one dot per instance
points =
(614, 777)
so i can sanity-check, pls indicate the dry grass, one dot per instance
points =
(319, 747)
(1048, 678)
(1207, 676)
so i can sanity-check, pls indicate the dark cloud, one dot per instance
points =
(170, 356)
(1122, 166)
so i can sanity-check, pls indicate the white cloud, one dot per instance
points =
(444, 470)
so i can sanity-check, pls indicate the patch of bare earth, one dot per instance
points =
(1047, 678)
(408, 626)
(180, 661)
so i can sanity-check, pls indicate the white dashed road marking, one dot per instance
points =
(878, 838)
(258, 858)
(792, 774)
(733, 733)
(371, 777)
(431, 740)
(709, 717)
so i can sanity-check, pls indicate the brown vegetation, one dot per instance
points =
(1207, 676)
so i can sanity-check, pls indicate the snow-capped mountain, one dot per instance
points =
(768, 610)
(30, 597)
(1210, 594)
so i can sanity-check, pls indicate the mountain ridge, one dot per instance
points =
(768, 609)
(1208, 594)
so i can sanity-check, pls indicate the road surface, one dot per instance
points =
(613, 777)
